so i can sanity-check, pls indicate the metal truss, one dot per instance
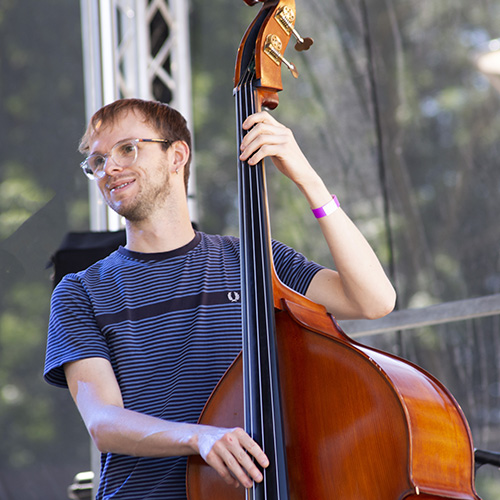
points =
(135, 48)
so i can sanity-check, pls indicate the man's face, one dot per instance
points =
(136, 191)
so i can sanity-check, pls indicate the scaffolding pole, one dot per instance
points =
(135, 48)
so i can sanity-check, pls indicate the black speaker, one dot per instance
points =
(80, 250)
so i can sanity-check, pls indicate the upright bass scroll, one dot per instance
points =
(262, 50)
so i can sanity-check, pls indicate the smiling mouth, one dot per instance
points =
(121, 186)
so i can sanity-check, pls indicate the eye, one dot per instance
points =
(126, 150)
(96, 162)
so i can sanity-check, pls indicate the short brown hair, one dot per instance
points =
(167, 121)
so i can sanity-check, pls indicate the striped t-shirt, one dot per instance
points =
(170, 324)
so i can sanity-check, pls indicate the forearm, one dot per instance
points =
(118, 430)
(228, 451)
(115, 429)
(363, 283)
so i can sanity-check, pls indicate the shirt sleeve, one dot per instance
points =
(73, 332)
(292, 268)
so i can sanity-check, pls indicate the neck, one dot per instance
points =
(160, 234)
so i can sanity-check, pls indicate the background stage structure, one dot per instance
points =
(135, 48)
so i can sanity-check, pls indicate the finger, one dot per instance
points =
(264, 128)
(225, 451)
(229, 468)
(220, 467)
(244, 476)
(263, 145)
(255, 450)
(244, 449)
(237, 449)
(260, 117)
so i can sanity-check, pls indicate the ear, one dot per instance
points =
(180, 156)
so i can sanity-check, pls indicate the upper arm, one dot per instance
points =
(326, 289)
(93, 386)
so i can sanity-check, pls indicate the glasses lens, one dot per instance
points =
(124, 153)
(87, 170)
(96, 163)
(93, 166)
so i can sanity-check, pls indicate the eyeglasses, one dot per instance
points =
(123, 153)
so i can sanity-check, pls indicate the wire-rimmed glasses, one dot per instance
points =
(123, 153)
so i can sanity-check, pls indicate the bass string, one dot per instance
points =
(251, 255)
(248, 312)
(254, 220)
(260, 297)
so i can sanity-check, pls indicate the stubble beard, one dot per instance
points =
(146, 201)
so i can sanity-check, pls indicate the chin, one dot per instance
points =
(132, 214)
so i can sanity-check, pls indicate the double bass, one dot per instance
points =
(337, 419)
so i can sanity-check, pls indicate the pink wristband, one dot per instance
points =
(327, 209)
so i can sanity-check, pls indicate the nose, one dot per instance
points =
(110, 166)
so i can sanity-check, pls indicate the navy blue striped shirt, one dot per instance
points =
(170, 324)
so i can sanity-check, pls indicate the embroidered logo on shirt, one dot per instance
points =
(233, 296)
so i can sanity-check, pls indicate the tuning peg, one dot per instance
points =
(286, 18)
(273, 47)
(302, 43)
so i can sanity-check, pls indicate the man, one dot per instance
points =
(142, 337)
